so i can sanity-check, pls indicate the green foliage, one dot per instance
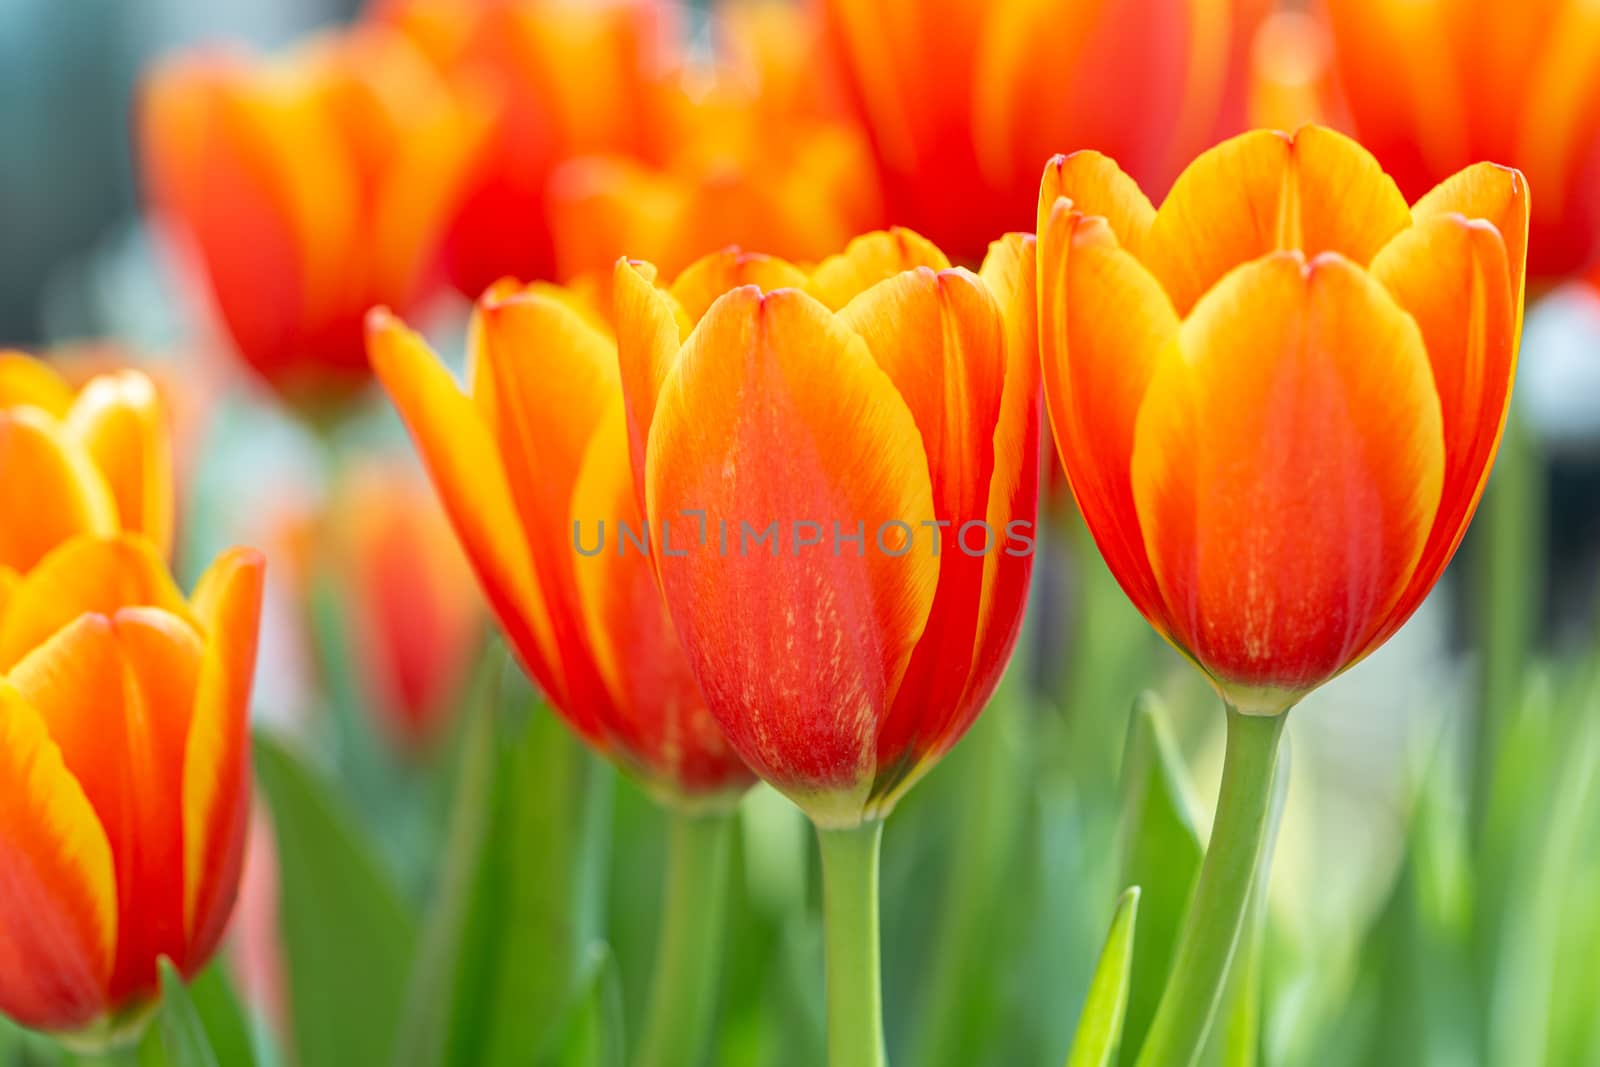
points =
(1100, 1025)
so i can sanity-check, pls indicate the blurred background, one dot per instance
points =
(1436, 889)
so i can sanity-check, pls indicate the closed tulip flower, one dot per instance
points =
(123, 746)
(964, 98)
(97, 461)
(1433, 86)
(1277, 398)
(304, 189)
(840, 469)
(532, 465)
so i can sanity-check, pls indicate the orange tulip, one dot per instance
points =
(818, 455)
(567, 79)
(413, 615)
(536, 445)
(1277, 397)
(307, 188)
(123, 746)
(1433, 85)
(964, 99)
(94, 462)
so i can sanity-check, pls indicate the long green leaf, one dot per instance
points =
(527, 872)
(348, 937)
(1161, 855)
(1100, 1026)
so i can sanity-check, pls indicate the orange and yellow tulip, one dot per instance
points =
(124, 749)
(1433, 85)
(97, 461)
(1277, 397)
(565, 79)
(965, 99)
(535, 447)
(817, 454)
(304, 189)
(413, 617)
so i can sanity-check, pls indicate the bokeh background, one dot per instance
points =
(1436, 888)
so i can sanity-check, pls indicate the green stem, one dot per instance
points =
(683, 991)
(850, 921)
(1221, 897)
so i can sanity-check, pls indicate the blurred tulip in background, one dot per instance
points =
(964, 99)
(302, 189)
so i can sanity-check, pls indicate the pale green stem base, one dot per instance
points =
(683, 991)
(1221, 897)
(850, 920)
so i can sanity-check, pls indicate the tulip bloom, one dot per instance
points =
(94, 462)
(1274, 505)
(305, 189)
(563, 80)
(535, 446)
(414, 620)
(964, 98)
(123, 746)
(1434, 85)
(883, 388)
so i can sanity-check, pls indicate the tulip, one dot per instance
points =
(964, 98)
(532, 465)
(97, 461)
(841, 471)
(306, 188)
(564, 79)
(1277, 398)
(753, 160)
(123, 746)
(1434, 85)
(412, 612)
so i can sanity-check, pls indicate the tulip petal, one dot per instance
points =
(940, 338)
(58, 891)
(1450, 275)
(87, 574)
(459, 450)
(50, 490)
(660, 720)
(1318, 191)
(554, 374)
(1287, 467)
(868, 260)
(1104, 325)
(25, 380)
(1097, 186)
(216, 767)
(115, 695)
(1496, 194)
(777, 414)
(119, 420)
(703, 281)
(1009, 272)
(651, 325)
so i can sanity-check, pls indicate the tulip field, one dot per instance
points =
(784, 533)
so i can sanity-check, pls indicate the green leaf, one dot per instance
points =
(1100, 1026)
(595, 1035)
(178, 1038)
(227, 1027)
(512, 931)
(1161, 854)
(348, 938)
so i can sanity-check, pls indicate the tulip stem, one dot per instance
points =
(1221, 899)
(850, 923)
(683, 989)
